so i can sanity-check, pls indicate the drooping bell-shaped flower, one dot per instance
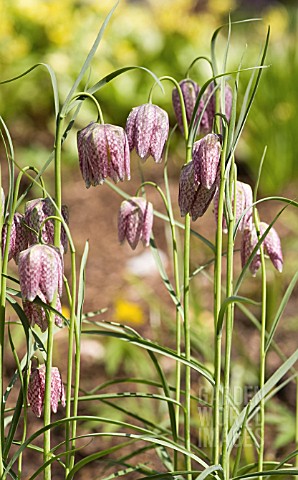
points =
(244, 200)
(210, 109)
(190, 91)
(135, 221)
(271, 244)
(206, 156)
(18, 240)
(103, 152)
(40, 272)
(36, 313)
(147, 129)
(36, 389)
(194, 198)
(36, 211)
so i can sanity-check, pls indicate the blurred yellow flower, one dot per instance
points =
(128, 312)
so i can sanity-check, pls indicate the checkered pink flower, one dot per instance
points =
(194, 198)
(135, 221)
(190, 91)
(36, 313)
(103, 152)
(206, 156)
(18, 240)
(36, 389)
(36, 211)
(40, 272)
(244, 200)
(147, 129)
(271, 244)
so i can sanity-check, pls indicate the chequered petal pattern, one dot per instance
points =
(248, 243)
(135, 221)
(206, 155)
(272, 246)
(187, 189)
(18, 240)
(36, 313)
(244, 200)
(36, 389)
(147, 129)
(103, 152)
(36, 211)
(194, 198)
(40, 272)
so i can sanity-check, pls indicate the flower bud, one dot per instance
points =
(103, 152)
(147, 129)
(36, 313)
(40, 272)
(36, 389)
(135, 221)
(190, 91)
(194, 198)
(271, 245)
(18, 240)
(36, 211)
(206, 155)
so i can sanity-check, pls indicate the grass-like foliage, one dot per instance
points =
(157, 428)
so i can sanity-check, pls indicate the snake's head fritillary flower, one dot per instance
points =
(194, 198)
(135, 221)
(271, 244)
(206, 156)
(40, 272)
(36, 313)
(210, 109)
(18, 240)
(190, 91)
(103, 152)
(244, 200)
(36, 389)
(36, 212)
(147, 129)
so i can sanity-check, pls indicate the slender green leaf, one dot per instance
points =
(255, 401)
(81, 289)
(208, 471)
(88, 60)
(280, 311)
(285, 471)
(146, 344)
(228, 301)
(53, 81)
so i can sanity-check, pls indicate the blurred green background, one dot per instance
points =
(165, 37)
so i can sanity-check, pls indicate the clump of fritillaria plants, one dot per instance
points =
(36, 234)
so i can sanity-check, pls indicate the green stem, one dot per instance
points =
(47, 397)
(186, 261)
(229, 333)
(4, 265)
(262, 356)
(217, 305)
(72, 329)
